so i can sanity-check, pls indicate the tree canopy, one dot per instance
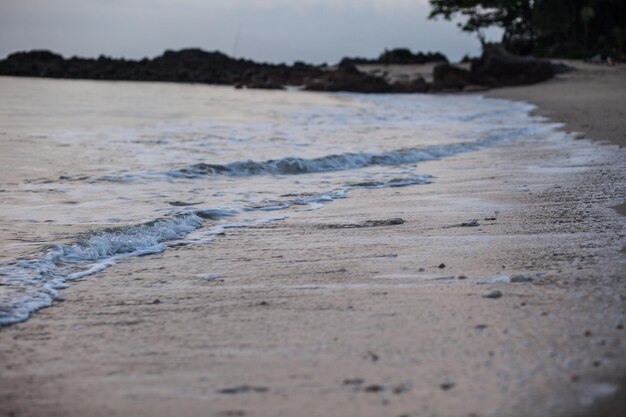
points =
(573, 28)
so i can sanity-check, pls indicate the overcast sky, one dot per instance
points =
(269, 30)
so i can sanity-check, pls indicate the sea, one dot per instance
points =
(93, 173)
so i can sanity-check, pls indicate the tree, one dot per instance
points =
(574, 28)
(514, 16)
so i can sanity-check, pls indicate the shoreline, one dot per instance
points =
(590, 100)
(341, 321)
(590, 86)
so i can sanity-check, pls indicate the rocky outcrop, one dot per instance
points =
(449, 77)
(497, 68)
(348, 78)
(418, 85)
(187, 65)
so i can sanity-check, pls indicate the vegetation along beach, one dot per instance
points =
(343, 228)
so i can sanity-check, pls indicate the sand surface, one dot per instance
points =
(590, 100)
(325, 314)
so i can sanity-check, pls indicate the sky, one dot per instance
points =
(313, 31)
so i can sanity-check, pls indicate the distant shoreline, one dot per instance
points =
(495, 68)
(198, 66)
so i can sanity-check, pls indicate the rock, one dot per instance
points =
(186, 65)
(497, 67)
(36, 63)
(348, 78)
(441, 266)
(387, 222)
(494, 294)
(447, 386)
(521, 278)
(368, 223)
(210, 278)
(471, 223)
(449, 77)
(265, 85)
(353, 381)
(242, 389)
(418, 85)
(348, 67)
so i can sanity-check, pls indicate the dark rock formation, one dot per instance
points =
(348, 78)
(418, 85)
(497, 67)
(448, 77)
(187, 65)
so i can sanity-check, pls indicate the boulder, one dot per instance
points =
(36, 63)
(449, 77)
(497, 67)
(418, 85)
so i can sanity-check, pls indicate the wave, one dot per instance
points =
(28, 285)
(346, 161)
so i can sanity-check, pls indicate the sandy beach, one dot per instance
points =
(507, 300)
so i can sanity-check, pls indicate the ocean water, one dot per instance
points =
(93, 173)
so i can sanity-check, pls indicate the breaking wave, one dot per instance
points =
(346, 161)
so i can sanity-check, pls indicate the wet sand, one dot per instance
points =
(325, 313)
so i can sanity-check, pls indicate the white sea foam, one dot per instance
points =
(312, 150)
(29, 285)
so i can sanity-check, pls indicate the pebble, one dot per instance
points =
(242, 389)
(447, 385)
(493, 294)
(401, 388)
(441, 266)
(353, 381)
(471, 223)
(521, 278)
(210, 278)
